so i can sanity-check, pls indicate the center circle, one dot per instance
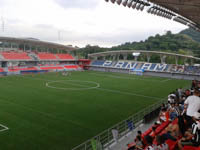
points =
(81, 85)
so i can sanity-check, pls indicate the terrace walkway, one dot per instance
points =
(129, 138)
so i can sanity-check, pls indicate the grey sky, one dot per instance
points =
(80, 22)
(84, 4)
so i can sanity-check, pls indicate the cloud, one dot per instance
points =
(81, 22)
(84, 4)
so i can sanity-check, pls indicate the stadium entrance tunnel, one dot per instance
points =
(72, 85)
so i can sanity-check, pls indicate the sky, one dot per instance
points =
(80, 22)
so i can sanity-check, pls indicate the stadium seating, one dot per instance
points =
(191, 148)
(71, 67)
(1, 70)
(46, 56)
(52, 68)
(65, 56)
(157, 67)
(131, 65)
(98, 63)
(15, 55)
(13, 69)
(41, 67)
(192, 70)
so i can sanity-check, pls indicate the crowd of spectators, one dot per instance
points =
(178, 124)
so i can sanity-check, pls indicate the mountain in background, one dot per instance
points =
(195, 35)
(186, 42)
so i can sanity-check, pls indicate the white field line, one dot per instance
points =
(104, 89)
(4, 128)
(127, 93)
(112, 76)
(85, 86)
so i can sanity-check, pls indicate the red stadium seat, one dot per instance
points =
(172, 144)
(15, 55)
(1, 70)
(46, 56)
(191, 148)
(65, 56)
(162, 127)
(52, 68)
(13, 69)
(71, 67)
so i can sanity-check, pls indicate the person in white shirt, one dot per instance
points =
(192, 105)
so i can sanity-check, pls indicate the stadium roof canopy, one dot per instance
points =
(125, 52)
(186, 12)
(189, 9)
(35, 42)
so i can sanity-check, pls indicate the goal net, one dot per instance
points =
(136, 71)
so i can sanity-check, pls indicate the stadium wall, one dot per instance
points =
(148, 73)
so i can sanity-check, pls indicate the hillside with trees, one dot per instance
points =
(185, 42)
(192, 33)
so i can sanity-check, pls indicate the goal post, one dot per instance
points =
(139, 72)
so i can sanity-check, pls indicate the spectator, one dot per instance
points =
(192, 104)
(171, 97)
(163, 115)
(163, 106)
(172, 112)
(193, 84)
(153, 132)
(138, 143)
(192, 136)
(139, 133)
(178, 109)
(187, 93)
(150, 145)
(161, 145)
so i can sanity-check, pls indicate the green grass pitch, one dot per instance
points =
(42, 114)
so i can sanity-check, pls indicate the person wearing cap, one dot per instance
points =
(192, 105)
(192, 136)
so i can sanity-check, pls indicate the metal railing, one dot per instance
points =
(106, 137)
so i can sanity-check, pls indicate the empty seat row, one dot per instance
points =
(65, 56)
(46, 56)
(15, 55)
(1, 70)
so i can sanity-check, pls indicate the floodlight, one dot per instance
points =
(142, 7)
(125, 3)
(119, 2)
(134, 5)
(138, 6)
(130, 3)
(149, 10)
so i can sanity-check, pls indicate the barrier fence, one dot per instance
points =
(106, 138)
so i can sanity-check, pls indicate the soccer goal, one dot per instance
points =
(138, 72)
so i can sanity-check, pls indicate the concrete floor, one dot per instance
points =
(121, 144)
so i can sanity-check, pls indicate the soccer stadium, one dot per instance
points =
(53, 99)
